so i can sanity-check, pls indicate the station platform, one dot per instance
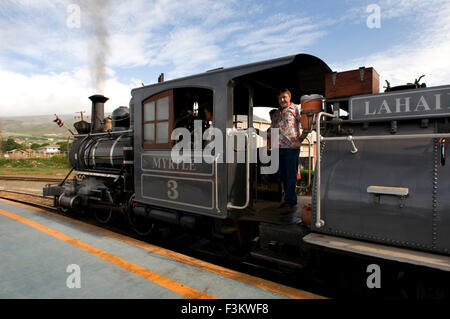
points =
(44, 255)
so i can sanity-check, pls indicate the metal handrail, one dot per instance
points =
(247, 169)
(385, 137)
(103, 133)
(216, 158)
(309, 161)
(319, 222)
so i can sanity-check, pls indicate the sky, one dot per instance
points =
(51, 51)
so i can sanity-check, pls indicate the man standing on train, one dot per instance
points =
(287, 120)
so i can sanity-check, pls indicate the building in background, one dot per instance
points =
(16, 153)
(48, 151)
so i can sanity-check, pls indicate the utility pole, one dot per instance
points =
(81, 115)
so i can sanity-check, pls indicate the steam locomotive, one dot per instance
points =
(381, 184)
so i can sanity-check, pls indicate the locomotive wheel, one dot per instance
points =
(103, 216)
(140, 225)
(64, 210)
(239, 243)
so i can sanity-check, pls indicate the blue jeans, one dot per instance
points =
(288, 170)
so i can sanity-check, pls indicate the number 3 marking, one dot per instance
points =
(172, 193)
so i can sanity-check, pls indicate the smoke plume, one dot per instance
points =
(97, 13)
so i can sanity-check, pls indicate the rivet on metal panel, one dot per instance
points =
(402, 201)
(365, 125)
(424, 123)
(393, 127)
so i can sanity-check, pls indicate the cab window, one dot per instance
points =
(172, 109)
(157, 120)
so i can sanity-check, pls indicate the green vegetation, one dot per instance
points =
(62, 146)
(56, 165)
(304, 180)
(10, 144)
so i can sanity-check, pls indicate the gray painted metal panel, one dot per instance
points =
(189, 187)
(178, 191)
(218, 86)
(350, 211)
(441, 205)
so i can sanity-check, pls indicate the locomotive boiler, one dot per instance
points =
(102, 160)
(381, 182)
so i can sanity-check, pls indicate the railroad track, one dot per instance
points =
(31, 178)
(26, 202)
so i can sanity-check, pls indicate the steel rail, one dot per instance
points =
(29, 178)
(23, 193)
(52, 208)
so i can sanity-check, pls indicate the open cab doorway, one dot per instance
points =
(253, 96)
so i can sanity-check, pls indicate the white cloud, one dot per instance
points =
(144, 33)
(427, 53)
(62, 93)
(186, 37)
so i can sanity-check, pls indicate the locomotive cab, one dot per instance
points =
(224, 182)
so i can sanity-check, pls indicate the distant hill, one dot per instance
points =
(35, 126)
(38, 126)
(41, 126)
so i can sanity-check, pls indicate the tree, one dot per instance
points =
(35, 146)
(62, 146)
(10, 145)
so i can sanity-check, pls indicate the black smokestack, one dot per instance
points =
(98, 112)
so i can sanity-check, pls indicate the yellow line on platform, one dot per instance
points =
(163, 281)
(232, 274)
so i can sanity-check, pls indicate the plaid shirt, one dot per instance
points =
(288, 121)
